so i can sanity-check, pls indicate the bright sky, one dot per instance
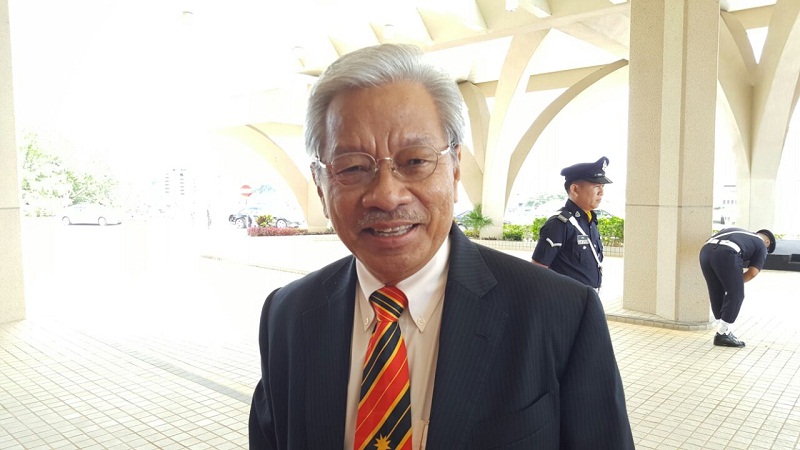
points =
(131, 80)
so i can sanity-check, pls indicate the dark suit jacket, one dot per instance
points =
(525, 360)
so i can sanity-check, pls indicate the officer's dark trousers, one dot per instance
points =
(722, 269)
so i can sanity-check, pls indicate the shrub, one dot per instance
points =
(516, 232)
(264, 221)
(475, 220)
(612, 231)
(537, 227)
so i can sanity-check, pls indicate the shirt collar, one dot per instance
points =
(424, 289)
(573, 208)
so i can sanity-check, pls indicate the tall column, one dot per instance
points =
(673, 85)
(12, 294)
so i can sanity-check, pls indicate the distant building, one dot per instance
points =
(179, 192)
(726, 210)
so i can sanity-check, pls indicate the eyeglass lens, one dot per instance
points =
(410, 164)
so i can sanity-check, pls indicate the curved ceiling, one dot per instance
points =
(469, 38)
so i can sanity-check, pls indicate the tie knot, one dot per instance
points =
(388, 303)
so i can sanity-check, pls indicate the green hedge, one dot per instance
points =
(612, 231)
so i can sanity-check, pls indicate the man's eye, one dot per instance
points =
(416, 162)
(353, 168)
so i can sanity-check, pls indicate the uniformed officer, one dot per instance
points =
(722, 260)
(569, 242)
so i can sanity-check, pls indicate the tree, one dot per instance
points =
(44, 180)
(48, 185)
(86, 188)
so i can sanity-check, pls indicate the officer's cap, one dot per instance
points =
(771, 237)
(594, 172)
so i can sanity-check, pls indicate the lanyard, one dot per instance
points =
(594, 252)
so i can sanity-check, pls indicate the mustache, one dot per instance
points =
(377, 216)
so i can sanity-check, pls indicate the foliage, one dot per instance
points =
(48, 184)
(512, 232)
(44, 180)
(475, 221)
(86, 188)
(264, 221)
(470, 233)
(612, 231)
(537, 227)
(272, 231)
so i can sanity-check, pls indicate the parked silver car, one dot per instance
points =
(89, 214)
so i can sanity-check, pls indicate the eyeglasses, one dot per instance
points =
(409, 164)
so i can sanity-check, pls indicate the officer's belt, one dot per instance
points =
(730, 244)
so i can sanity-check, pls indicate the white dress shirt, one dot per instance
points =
(419, 325)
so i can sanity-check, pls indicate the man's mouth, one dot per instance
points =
(391, 232)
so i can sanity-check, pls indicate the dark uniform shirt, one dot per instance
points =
(566, 250)
(753, 250)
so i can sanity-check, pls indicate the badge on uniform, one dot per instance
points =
(583, 239)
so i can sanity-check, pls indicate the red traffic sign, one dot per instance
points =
(245, 190)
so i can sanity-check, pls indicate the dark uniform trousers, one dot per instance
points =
(722, 269)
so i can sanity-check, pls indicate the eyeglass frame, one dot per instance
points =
(393, 166)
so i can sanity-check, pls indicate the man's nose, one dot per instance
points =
(386, 191)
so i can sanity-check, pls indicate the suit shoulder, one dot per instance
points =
(513, 270)
(309, 286)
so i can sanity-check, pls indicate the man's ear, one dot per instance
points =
(317, 183)
(457, 173)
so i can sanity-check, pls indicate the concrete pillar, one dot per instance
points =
(511, 84)
(673, 85)
(12, 293)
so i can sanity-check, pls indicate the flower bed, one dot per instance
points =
(273, 231)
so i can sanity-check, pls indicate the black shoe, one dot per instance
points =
(727, 340)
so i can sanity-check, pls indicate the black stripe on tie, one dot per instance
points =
(390, 305)
(375, 363)
(399, 415)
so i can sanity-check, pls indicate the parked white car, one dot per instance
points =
(89, 214)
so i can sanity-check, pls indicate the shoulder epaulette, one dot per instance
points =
(564, 216)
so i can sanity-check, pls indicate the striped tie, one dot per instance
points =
(384, 412)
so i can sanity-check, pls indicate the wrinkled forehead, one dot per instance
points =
(386, 117)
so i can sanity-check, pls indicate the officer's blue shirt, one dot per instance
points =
(566, 250)
(753, 250)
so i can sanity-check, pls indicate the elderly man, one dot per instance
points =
(569, 242)
(422, 339)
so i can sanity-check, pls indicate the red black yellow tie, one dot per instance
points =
(384, 411)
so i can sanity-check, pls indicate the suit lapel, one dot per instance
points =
(467, 341)
(328, 328)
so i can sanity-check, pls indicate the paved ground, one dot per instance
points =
(144, 337)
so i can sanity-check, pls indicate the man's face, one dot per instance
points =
(586, 194)
(393, 226)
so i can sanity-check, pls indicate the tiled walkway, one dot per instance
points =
(165, 355)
